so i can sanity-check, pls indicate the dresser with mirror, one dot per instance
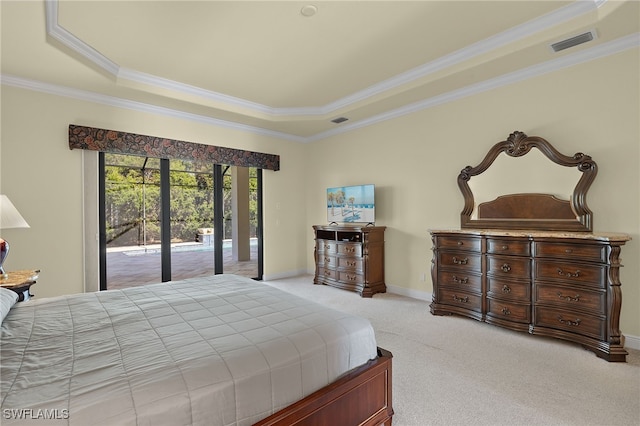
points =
(526, 257)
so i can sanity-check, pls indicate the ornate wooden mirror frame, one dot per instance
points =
(530, 211)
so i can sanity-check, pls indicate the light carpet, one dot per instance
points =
(456, 371)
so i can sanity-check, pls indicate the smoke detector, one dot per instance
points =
(309, 10)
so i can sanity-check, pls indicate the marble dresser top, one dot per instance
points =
(600, 236)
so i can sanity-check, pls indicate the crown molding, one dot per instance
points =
(573, 10)
(600, 51)
(561, 15)
(98, 98)
(504, 38)
(177, 86)
(55, 31)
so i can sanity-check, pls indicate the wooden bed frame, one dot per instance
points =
(360, 397)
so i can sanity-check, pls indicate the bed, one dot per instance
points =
(219, 350)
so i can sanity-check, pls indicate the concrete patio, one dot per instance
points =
(134, 266)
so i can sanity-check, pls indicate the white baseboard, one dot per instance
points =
(630, 342)
(283, 275)
(414, 294)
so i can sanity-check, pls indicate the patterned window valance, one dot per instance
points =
(113, 141)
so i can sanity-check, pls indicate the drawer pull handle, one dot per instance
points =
(506, 289)
(460, 280)
(568, 251)
(575, 298)
(460, 243)
(352, 278)
(349, 250)
(349, 263)
(327, 246)
(569, 322)
(569, 274)
(506, 267)
(460, 261)
(461, 299)
(505, 247)
(327, 273)
(506, 311)
(327, 259)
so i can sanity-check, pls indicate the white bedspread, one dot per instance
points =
(222, 350)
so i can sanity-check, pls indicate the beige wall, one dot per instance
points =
(413, 161)
(44, 179)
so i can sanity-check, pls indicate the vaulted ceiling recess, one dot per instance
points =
(291, 69)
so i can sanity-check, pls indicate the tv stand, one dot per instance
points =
(350, 257)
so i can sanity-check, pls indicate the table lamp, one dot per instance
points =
(9, 218)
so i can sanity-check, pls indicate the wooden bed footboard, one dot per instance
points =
(360, 397)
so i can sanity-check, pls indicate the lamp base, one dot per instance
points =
(4, 251)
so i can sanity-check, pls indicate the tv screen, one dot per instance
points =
(351, 204)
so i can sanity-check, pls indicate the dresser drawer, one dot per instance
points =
(460, 280)
(327, 273)
(509, 311)
(351, 277)
(577, 298)
(354, 264)
(460, 298)
(592, 252)
(327, 261)
(350, 249)
(506, 266)
(508, 246)
(326, 246)
(587, 325)
(509, 289)
(464, 261)
(460, 242)
(577, 273)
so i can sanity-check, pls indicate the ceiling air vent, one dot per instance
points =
(339, 120)
(573, 41)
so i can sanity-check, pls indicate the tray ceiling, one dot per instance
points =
(265, 65)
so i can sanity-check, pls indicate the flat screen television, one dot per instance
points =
(351, 204)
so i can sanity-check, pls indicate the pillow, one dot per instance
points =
(8, 298)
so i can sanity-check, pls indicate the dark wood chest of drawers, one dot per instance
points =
(557, 284)
(350, 257)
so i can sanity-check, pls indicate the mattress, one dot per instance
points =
(219, 350)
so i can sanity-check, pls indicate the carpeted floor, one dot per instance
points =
(457, 371)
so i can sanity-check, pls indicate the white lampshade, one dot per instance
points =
(9, 215)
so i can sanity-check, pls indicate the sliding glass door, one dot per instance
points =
(131, 232)
(240, 224)
(166, 220)
(191, 209)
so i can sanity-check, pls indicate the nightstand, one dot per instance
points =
(20, 282)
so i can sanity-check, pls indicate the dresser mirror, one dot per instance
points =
(525, 183)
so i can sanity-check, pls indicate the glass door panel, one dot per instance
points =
(132, 216)
(253, 270)
(192, 233)
(240, 243)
